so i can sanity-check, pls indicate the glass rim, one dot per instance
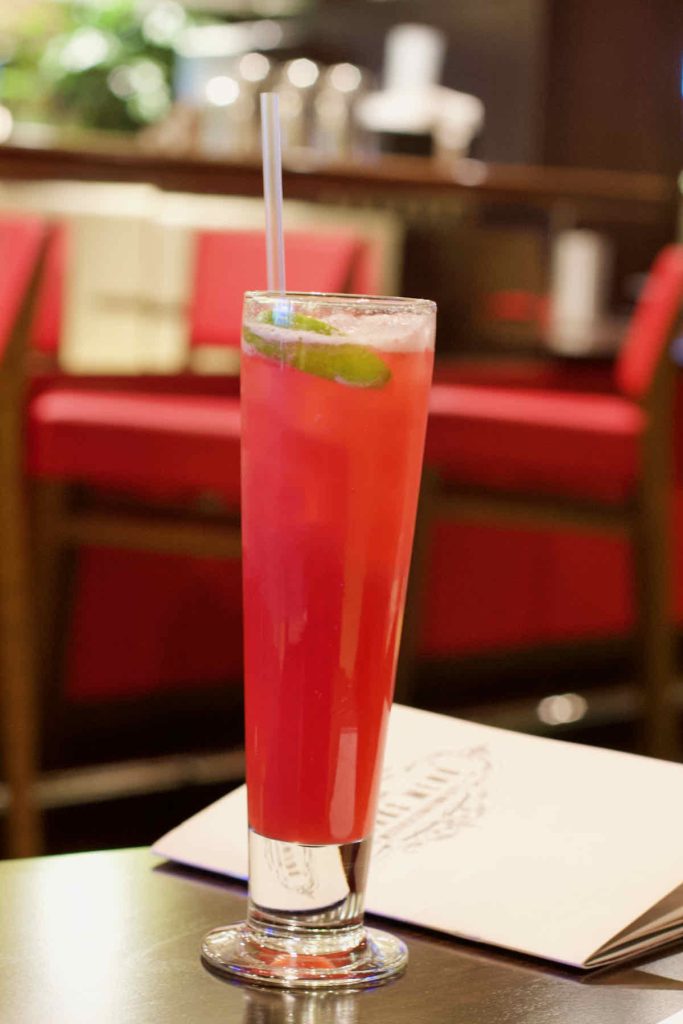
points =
(389, 302)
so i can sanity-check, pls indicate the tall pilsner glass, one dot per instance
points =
(334, 409)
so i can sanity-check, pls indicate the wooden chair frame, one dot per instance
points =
(19, 730)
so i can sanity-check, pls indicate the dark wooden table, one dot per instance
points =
(113, 938)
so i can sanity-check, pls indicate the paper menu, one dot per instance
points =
(536, 845)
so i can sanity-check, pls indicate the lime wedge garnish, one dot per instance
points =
(299, 322)
(346, 363)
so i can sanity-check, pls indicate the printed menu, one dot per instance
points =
(561, 851)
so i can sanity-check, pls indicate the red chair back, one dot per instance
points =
(21, 242)
(228, 263)
(653, 322)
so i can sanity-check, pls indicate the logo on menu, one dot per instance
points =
(428, 800)
(431, 799)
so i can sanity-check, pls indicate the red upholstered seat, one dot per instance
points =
(170, 442)
(544, 442)
(549, 442)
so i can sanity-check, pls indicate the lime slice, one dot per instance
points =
(345, 363)
(299, 322)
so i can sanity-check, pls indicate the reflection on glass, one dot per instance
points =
(264, 1007)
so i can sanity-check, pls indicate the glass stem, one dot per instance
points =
(299, 892)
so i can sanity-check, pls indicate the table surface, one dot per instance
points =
(113, 938)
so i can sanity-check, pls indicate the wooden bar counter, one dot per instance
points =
(308, 177)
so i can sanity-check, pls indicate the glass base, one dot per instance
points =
(238, 953)
(304, 927)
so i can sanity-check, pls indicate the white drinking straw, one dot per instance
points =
(272, 190)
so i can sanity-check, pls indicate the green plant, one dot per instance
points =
(96, 63)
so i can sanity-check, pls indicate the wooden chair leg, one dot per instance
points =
(19, 730)
(654, 629)
(49, 507)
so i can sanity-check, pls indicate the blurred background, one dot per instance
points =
(519, 162)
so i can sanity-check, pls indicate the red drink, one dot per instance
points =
(330, 480)
(334, 409)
